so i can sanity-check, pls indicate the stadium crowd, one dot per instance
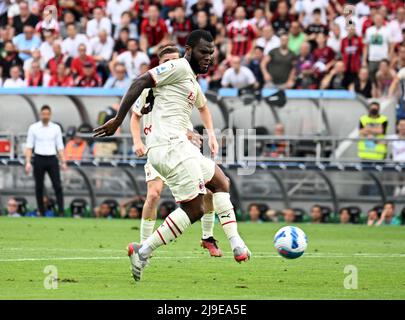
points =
(302, 44)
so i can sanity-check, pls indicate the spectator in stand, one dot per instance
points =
(323, 56)
(398, 146)
(9, 59)
(377, 45)
(362, 8)
(68, 18)
(307, 78)
(77, 65)
(241, 35)
(315, 28)
(49, 22)
(119, 78)
(363, 85)
(154, 32)
(388, 216)
(180, 27)
(238, 76)
(254, 65)
(59, 58)
(334, 39)
(351, 51)
(132, 59)
(62, 77)
(115, 8)
(89, 79)
(335, 79)
(316, 214)
(77, 148)
(15, 80)
(26, 42)
(372, 126)
(372, 217)
(288, 215)
(304, 57)
(399, 81)
(277, 148)
(203, 22)
(398, 62)
(36, 56)
(105, 210)
(295, 37)
(101, 49)
(121, 43)
(71, 44)
(305, 8)
(12, 208)
(282, 19)
(397, 25)
(228, 11)
(25, 18)
(344, 216)
(268, 41)
(254, 213)
(278, 66)
(201, 5)
(46, 47)
(132, 208)
(126, 23)
(383, 78)
(259, 20)
(36, 77)
(6, 35)
(98, 23)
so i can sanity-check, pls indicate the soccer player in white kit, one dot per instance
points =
(186, 171)
(154, 181)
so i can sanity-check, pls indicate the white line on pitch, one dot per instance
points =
(192, 257)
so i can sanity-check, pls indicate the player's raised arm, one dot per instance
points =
(138, 85)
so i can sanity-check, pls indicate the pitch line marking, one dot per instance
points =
(194, 257)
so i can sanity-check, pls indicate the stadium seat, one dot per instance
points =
(326, 212)
(22, 205)
(79, 208)
(299, 214)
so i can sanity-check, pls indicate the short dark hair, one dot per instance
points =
(390, 203)
(195, 36)
(316, 11)
(374, 103)
(46, 107)
(170, 48)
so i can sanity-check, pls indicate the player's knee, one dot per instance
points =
(153, 196)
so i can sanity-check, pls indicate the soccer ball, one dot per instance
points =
(290, 242)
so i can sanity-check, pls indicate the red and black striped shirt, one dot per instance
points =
(351, 50)
(181, 30)
(154, 33)
(242, 35)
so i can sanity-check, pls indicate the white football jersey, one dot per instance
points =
(176, 92)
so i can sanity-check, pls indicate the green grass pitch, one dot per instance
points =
(91, 261)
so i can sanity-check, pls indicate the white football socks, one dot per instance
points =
(173, 226)
(224, 208)
(207, 225)
(147, 226)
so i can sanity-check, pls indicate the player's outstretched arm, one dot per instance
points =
(138, 85)
(206, 119)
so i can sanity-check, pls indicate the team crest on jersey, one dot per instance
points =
(164, 68)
